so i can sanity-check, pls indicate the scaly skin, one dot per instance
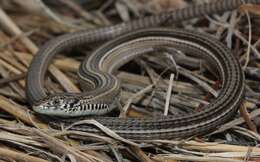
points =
(97, 72)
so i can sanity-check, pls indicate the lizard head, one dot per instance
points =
(58, 105)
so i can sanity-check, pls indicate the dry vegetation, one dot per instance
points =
(148, 89)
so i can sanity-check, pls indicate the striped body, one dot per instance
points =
(97, 74)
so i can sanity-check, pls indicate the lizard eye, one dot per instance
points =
(76, 100)
(56, 101)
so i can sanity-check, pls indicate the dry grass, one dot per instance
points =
(24, 137)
